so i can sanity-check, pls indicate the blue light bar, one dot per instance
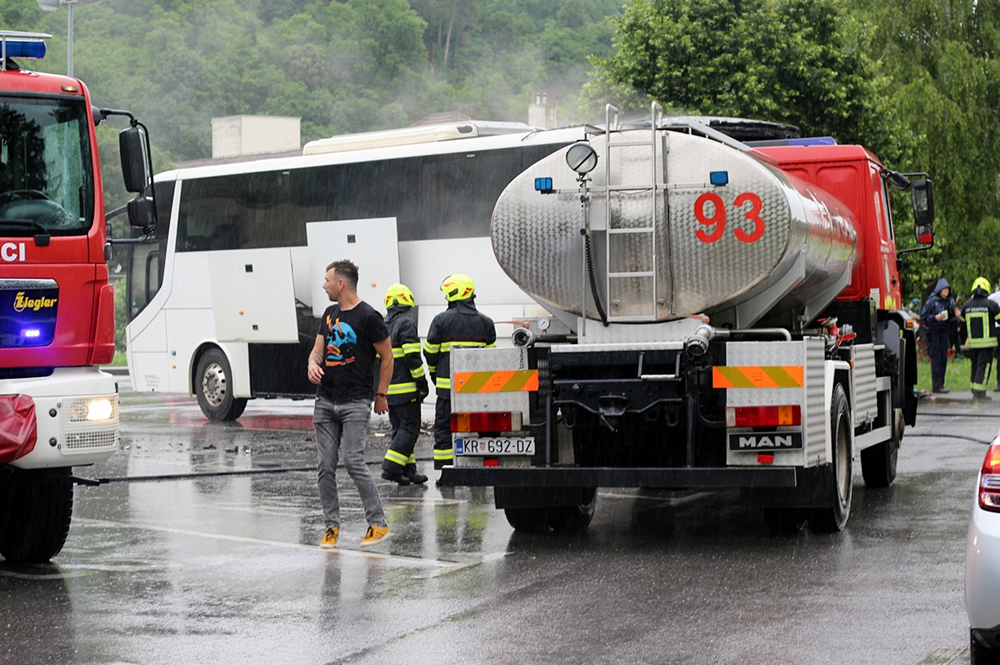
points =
(719, 178)
(813, 140)
(543, 185)
(32, 50)
(31, 333)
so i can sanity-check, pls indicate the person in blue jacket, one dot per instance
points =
(937, 316)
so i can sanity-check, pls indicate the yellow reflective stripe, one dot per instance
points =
(443, 383)
(393, 456)
(401, 388)
(397, 352)
(412, 459)
(443, 454)
(432, 368)
(448, 346)
(417, 373)
(411, 347)
(431, 348)
(491, 346)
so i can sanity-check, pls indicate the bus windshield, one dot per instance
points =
(46, 178)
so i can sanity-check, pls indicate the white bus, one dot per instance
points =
(224, 300)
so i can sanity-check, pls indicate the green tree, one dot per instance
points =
(802, 62)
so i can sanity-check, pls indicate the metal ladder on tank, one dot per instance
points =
(647, 231)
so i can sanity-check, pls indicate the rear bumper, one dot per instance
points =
(722, 477)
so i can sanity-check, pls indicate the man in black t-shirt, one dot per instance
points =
(350, 335)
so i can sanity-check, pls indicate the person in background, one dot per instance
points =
(981, 316)
(936, 318)
(407, 389)
(995, 297)
(350, 335)
(461, 325)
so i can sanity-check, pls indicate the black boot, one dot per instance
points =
(415, 478)
(395, 477)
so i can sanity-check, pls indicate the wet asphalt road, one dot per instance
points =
(226, 569)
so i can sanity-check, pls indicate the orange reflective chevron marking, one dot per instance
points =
(768, 376)
(513, 381)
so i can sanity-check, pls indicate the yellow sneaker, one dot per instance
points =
(330, 537)
(374, 534)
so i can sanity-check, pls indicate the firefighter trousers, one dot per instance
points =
(405, 422)
(442, 433)
(981, 359)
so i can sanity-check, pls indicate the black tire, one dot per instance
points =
(833, 518)
(980, 655)
(785, 521)
(878, 463)
(212, 385)
(528, 520)
(40, 504)
(566, 519)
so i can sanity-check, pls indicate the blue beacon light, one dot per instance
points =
(35, 50)
(543, 185)
(719, 178)
(31, 333)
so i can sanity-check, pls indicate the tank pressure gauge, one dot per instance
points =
(581, 157)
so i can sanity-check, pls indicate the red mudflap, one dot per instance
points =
(18, 427)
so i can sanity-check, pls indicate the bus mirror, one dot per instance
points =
(141, 212)
(922, 193)
(135, 166)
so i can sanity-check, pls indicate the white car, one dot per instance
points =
(982, 563)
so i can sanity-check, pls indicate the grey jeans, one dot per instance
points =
(343, 427)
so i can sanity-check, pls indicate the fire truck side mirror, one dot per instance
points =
(141, 212)
(922, 193)
(136, 169)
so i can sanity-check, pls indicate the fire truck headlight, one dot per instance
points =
(99, 409)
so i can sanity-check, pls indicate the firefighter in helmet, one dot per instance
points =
(980, 314)
(461, 325)
(407, 388)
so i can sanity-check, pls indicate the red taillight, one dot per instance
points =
(497, 421)
(763, 416)
(989, 480)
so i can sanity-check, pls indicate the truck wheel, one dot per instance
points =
(841, 489)
(980, 655)
(783, 520)
(40, 504)
(574, 518)
(878, 463)
(213, 385)
(528, 520)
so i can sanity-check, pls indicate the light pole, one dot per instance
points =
(51, 6)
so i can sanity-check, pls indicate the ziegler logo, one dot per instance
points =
(21, 303)
(771, 441)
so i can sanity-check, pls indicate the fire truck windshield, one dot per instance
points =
(46, 172)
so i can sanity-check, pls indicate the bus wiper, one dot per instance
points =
(42, 236)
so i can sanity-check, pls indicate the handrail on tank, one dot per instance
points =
(697, 344)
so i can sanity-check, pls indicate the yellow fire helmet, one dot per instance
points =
(458, 287)
(398, 294)
(981, 283)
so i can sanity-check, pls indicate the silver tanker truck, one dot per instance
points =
(723, 315)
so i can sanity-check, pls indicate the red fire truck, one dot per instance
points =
(57, 409)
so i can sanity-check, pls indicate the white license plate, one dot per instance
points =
(495, 446)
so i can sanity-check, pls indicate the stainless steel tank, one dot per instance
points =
(679, 225)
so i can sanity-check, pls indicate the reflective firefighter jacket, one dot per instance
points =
(461, 325)
(408, 379)
(979, 314)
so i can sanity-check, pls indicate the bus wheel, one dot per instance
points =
(213, 385)
(840, 482)
(40, 505)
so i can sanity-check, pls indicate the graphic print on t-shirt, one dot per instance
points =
(340, 342)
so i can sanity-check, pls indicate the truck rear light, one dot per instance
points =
(763, 416)
(989, 480)
(493, 421)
